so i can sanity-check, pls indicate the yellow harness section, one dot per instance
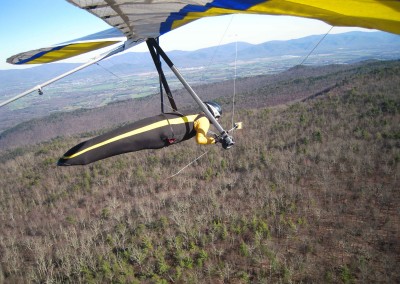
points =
(201, 126)
(159, 124)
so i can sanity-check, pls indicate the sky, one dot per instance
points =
(32, 24)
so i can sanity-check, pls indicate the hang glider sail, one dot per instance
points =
(138, 20)
(68, 49)
(153, 18)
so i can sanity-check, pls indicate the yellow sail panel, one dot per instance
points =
(149, 19)
(382, 15)
(374, 14)
(52, 54)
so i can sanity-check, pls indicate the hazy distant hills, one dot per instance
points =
(361, 45)
(331, 43)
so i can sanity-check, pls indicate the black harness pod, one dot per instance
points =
(150, 133)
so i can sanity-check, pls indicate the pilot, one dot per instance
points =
(150, 133)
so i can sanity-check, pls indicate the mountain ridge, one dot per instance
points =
(143, 63)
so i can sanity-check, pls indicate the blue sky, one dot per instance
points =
(32, 24)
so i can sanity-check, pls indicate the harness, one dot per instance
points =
(172, 138)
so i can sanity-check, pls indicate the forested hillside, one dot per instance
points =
(309, 194)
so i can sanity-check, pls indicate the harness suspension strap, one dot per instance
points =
(172, 139)
(155, 55)
(228, 141)
(160, 82)
(186, 85)
(234, 86)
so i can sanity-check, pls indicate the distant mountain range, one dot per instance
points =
(361, 46)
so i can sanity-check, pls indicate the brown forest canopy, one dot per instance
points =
(309, 193)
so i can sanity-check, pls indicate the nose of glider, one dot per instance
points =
(62, 162)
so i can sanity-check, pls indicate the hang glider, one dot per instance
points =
(136, 21)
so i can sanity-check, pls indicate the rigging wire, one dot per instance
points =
(234, 84)
(109, 71)
(234, 90)
(206, 152)
(125, 83)
(235, 64)
(219, 44)
(233, 111)
(316, 46)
